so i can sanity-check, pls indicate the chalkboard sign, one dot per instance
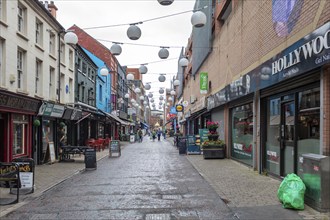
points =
(90, 158)
(26, 174)
(114, 149)
(51, 152)
(191, 140)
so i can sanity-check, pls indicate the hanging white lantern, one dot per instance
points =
(104, 71)
(183, 62)
(132, 100)
(145, 103)
(161, 91)
(161, 98)
(141, 97)
(163, 53)
(137, 90)
(133, 32)
(168, 90)
(165, 2)
(176, 82)
(147, 107)
(150, 95)
(161, 78)
(126, 95)
(173, 92)
(130, 76)
(147, 86)
(170, 99)
(198, 19)
(70, 38)
(168, 104)
(115, 49)
(143, 69)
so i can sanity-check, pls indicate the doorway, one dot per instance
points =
(287, 138)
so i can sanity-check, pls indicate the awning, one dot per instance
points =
(198, 113)
(86, 116)
(144, 125)
(114, 117)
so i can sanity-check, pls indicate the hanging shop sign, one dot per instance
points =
(51, 110)
(14, 101)
(203, 82)
(308, 53)
(199, 105)
(179, 108)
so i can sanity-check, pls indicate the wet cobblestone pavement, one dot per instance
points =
(149, 181)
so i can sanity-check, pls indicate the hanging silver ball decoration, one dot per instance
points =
(115, 49)
(147, 86)
(143, 69)
(161, 91)
(163, 53)
(133, 32)
(161, 78)
(150, 95)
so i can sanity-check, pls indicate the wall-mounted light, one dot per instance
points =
(104, 71)
(176, 82)
(198, 19)
(183, 62)
(130, 76)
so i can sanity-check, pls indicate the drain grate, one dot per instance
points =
(158, 217)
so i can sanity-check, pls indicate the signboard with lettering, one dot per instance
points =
(114, 149)
(15, 102)
(203, 82)
(51, 110)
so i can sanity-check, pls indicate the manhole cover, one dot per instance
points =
(172, 197)
(158, 217)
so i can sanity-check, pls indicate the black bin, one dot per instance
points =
(90, 159)
(182, 145)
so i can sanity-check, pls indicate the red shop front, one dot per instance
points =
(16, 125)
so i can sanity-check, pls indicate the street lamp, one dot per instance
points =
(69, 38)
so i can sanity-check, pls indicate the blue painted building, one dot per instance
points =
(103, 85)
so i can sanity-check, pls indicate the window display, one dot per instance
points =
(242, 133)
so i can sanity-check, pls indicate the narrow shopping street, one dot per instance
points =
(149, 181)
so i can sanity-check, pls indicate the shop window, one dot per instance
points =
(242, 133)
(308, 124)
(273, 138)
(20, 134)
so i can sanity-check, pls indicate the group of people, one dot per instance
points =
(154, 133)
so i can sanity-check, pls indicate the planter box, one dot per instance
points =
(214, 153)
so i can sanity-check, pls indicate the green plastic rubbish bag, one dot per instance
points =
(291, 192)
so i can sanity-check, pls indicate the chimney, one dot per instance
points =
(52, 8)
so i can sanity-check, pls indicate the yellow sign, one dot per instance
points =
(179, 108)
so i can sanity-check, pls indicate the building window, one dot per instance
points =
(100, 93)
(51, 43)
(70, 59)
(242, 133)
(3, 10)
(92, 75)
(39, 31)
(38, 76)
(78, 93)
(84, 68)
(83, 94)
(79, 64)
(21, 18)
(51, 82)
(62, 51)
(2, 58)
(20, 68)
(89, 72)
(20, 134)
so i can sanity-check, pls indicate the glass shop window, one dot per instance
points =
(20, 134)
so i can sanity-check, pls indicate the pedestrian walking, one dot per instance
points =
(140, 133)
(159, 133)
(153, 135)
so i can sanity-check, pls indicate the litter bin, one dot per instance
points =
(90, 159)
(316, 176)
(182, 145)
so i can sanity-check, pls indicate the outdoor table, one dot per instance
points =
(68, 150)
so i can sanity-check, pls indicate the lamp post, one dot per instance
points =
(69, 38)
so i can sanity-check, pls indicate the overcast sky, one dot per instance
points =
(170, 31)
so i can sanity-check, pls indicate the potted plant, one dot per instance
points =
(213, 148)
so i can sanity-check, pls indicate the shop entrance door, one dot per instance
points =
(287, 152)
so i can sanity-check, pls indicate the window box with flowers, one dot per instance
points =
(213, 148)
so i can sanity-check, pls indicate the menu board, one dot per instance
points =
(203, 135)
(114, 148)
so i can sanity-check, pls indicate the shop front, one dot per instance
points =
(17, 113)
(278, 111)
